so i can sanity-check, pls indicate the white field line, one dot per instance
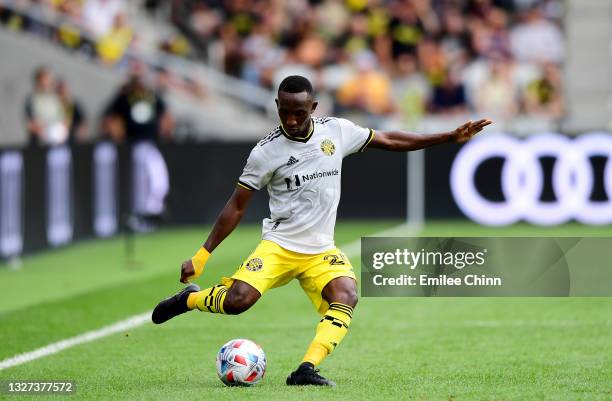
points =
(54, 348)
(351, 249)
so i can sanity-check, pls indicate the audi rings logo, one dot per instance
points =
(522, 179)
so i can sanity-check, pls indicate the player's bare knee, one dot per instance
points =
(349, 297)
(343, 291)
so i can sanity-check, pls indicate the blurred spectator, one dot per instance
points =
(261, 54)
(497, 96)
(138, 113)
(454, 37)
(537, 39)
(177, 45)
(75, 115)
(355, 38)
(490, 36)
(544, 96)
(410, 89)
(292, 66)
(432, 61)
(368, 90)
(332, 17)
(499, 42)
(152, 5)
(69, 32)
(204, 21)
(69, 35)
(68, 7)
(406, 28)
(112, 45)
(46, 118)
(333, 76)
(99, 16)
(449, 96)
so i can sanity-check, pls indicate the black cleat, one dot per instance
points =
(306, 375)
(174, 305)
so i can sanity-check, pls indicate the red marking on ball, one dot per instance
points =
(252, 376)
(240, 359)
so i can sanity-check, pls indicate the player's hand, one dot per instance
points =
(468, 130)
(187, 271)
(193, 268)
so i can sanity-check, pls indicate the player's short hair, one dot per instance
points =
(295, 84)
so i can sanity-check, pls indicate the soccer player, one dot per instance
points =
(300, 163)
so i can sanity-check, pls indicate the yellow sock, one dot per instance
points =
(330, 332)
(208, 300)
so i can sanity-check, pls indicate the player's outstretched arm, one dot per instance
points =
(226, 222)
(401, 141)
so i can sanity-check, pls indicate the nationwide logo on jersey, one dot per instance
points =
(254, 265)
(328, 147)
(292, 161)
(319, 174)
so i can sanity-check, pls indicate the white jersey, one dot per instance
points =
(303, 180)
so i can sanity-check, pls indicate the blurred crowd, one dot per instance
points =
(98, 27)
(136, 112)
(380, 58)
(498, 58)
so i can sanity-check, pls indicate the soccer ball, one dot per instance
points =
(241, 362)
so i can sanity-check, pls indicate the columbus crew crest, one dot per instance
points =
(254, 265)
(328, 147)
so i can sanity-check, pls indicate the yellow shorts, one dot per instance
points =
(271, 266)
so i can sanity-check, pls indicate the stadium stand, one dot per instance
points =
(422, 64)
(208, 104)
(410, 57)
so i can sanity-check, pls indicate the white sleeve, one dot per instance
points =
(257, 171)
(354, 138)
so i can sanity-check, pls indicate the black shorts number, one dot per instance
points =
(335, 260)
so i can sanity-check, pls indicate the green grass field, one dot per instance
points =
(397, 349)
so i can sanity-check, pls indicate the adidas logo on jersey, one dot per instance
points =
(292, 161)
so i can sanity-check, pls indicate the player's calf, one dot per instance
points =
(240, 297)
(236, 304)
